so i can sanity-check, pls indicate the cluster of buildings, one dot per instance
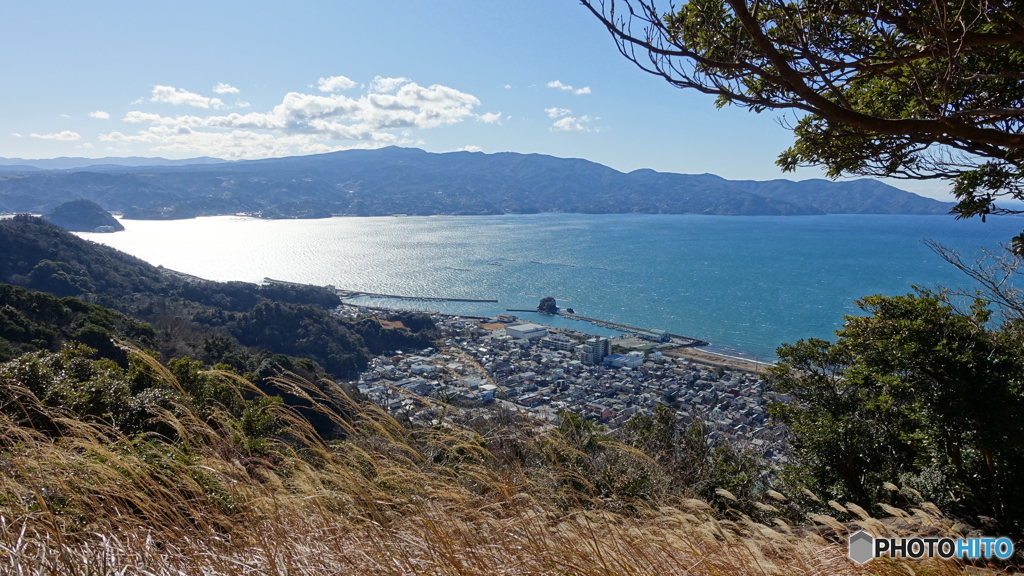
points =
(543, 371)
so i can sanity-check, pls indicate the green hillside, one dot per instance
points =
(82, 216)
(284, 319)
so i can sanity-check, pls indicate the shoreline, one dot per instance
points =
(702, 356)
(692, 353)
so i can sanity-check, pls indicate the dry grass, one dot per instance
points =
(384, 501)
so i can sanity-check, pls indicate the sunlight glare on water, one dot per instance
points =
(743, 283)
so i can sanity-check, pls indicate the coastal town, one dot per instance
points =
(540, 371)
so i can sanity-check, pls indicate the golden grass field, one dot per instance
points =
(387, 500)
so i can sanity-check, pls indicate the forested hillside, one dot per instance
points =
(189, 315)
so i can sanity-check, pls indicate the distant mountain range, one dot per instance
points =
(411, 181)
(66, 163)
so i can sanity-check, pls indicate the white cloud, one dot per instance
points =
(469, 148)
(381, 85)
(571, 124)
(240, 104)
(334, 83)
(307, 123)
(490, 117)
(65, 116)
(136, 117)
(87, 145)
(100, 114)
(222, 88)
(557, 112)
(234, 144)
(558, 84)
(176, 96)
(66, 135)
(15, 134)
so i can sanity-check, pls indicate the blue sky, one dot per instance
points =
(256, 79)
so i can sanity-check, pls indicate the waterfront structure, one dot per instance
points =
(526, 331)
(654, 335)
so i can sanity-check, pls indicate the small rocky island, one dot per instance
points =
(83, 216)
(547, 306)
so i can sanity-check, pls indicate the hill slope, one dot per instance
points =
(82, 216)
(411, 181)
(284, 319)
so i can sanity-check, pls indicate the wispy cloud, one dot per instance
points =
(222, 88)
(557, 112)
(469, 148)
(334, 83)
(172, 95)
(100, 114)
(490, 117)
(15, 134)
(66, 135)
(558, 84)
(573, 124)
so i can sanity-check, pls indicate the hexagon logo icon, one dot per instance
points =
(861, 547)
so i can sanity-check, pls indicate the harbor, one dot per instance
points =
(676, 340)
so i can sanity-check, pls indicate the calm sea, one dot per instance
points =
(746, 284)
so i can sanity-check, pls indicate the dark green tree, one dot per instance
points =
(918, 89)
(917, 394)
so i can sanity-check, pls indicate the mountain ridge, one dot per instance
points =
(412, 181)
(78, 162)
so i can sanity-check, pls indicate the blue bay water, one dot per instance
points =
(746, 284)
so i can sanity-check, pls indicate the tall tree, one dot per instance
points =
(921, 89)
(916, 394)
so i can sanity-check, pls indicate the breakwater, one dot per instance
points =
(356, 294)
(685, 341)
(677, 339)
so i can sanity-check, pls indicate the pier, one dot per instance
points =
(356, 294)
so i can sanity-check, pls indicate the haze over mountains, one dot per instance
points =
(66, 163)
(411, 181)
